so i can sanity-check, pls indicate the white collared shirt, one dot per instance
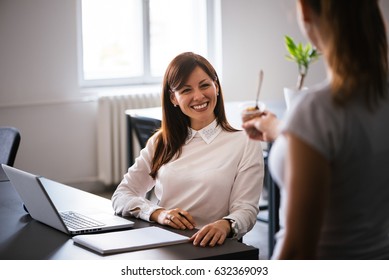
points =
(218, 175)
(208, 133)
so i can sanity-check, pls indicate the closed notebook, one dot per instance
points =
(129, 240)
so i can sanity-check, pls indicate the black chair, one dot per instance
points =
(9, 144)
(274, 219)
(263, 215)
(273, 199)
(144, 128)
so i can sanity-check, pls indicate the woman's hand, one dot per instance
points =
(175, 218)
(263, 128)
(212, 234)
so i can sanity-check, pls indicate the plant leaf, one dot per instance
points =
(302, 55)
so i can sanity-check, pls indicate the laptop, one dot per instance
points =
(33, 190)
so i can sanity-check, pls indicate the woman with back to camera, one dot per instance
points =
(331, 156)
(204, 171)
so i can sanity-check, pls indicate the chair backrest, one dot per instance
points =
(9, 144)
(144, 128)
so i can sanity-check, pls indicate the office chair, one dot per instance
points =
(144, 128)
(273, 205)
(9, 144)
(264, 202)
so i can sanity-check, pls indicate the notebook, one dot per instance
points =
(31, 189)
(129, 240)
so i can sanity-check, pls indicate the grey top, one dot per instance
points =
(356, 142)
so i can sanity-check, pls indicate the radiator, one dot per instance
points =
(112, 132)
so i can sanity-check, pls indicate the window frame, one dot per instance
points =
(213, 17)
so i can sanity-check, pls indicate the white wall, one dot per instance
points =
(253, 39)
(39, 90)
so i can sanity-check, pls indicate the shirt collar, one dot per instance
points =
(208, 133)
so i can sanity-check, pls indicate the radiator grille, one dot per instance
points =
(112, 132)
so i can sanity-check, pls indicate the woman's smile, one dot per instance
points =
(200, 107)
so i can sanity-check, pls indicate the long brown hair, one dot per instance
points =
(174, 130)
(357, 48)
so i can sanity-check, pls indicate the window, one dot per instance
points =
(125, 42)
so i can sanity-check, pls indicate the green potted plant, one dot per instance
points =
(303, 56)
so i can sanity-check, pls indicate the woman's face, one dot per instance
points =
(197, 98)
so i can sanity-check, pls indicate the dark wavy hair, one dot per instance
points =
(358, 48)
(174, 130)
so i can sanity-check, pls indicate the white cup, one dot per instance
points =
(248, 110)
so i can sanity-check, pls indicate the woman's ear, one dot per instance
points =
(305, 11)
(173, 99)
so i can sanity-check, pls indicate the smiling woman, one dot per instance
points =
(204, 174)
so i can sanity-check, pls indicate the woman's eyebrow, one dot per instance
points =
(185, 86)
(206, 80)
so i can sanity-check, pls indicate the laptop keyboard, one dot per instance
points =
(78, 221)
